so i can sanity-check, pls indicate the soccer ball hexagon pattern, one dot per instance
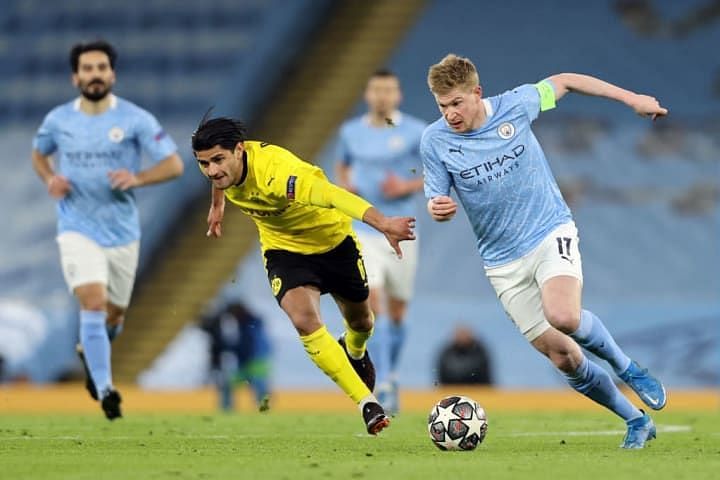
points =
(457, 423)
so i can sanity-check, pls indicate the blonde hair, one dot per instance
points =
(452, 72)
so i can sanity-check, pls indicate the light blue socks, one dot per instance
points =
(397, 340)
(595, 338)
(596, 384)
(96, 347)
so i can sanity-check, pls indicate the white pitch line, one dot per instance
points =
(589, 433)
(118, 437)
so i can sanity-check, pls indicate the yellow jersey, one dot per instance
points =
(279, 192)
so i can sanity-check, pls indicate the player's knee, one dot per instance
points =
(305, 321)
(361, 320)
(565, 320)
(93, 303)
(565, 359)
(115, 319)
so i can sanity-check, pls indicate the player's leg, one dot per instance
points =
(376, 340)
(93, 336)
(374, 260)
(115, 320)
(560, 274)
(359, 328)
(257, 372)
(521, 297)
(121, 264)
(302, 305)
(399, 289)
(397, 308)
(122, 267)
(85, 268)
(589, 379)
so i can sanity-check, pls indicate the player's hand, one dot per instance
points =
(214, 220)
(647, 106)
(58, 186)
(394, 186)
(123, 180)
(397, 229)
(442, 208)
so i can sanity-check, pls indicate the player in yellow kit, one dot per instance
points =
(308, 244)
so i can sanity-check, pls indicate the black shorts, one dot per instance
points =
(340, 271)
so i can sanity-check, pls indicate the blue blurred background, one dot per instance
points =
(645, 196)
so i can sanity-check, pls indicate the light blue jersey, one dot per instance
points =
(374, 152)
(86, 149)
(500, 175)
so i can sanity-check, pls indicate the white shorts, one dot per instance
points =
(84, 261)
(385, 270)
(518, 284)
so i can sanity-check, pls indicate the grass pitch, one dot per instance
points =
(292, 446)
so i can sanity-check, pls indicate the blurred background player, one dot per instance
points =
(96, 140)
(464, 360)
(239, 353)
(308, 245)
(379, 159)
(485, 149)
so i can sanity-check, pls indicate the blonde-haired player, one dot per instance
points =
(485, 150)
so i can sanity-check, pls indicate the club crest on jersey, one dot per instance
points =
(396, 142)
(276, 285)
(116, 134)
(506, 130)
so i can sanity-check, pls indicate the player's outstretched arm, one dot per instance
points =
(442, 208)
(643, 105)
(216, 213)
(166, 169)
(321, 193)
(395, 229)
(57, 185)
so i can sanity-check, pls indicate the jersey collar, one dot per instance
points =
(396, 118)
(488, 108)
(113, 103)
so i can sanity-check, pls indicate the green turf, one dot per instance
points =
(289, 446)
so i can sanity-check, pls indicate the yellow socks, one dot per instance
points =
(329, 356)
(355, 341)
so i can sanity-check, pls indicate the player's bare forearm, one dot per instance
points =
(217, 197)
(168, 168)
(216, 213)
(41, 165)
(587, 85)
(395, 229)
(57, 185)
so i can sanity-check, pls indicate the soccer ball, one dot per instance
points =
(457, 423)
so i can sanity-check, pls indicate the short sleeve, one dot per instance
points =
(44, 140)
(153, 139)
(436, 179)
(287, 176)
(528, 96)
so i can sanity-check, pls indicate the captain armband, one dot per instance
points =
(547, 95)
